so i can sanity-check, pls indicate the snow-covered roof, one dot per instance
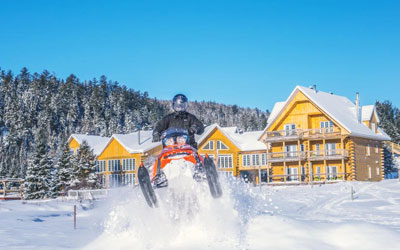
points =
(275, 111)
(339, 108)
(246, 141)
(132, 144)
(97, 143)
(367, 111)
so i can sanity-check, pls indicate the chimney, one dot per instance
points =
(358, 108)
(315, 88)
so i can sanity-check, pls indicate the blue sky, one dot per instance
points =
(250, 53)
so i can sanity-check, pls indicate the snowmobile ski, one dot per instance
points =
(146, 187)
(212, 177)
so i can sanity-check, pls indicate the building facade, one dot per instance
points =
(317, 136)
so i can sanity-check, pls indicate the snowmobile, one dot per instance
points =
(176, 160)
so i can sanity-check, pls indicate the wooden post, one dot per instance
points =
(268, 167)
(284, 161)
(324, 152)
(310, 170)
(74, 217)
(343, 165)
(299, 156)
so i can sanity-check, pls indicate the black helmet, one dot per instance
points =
(179, 103)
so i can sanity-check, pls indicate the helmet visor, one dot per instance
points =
(180, 106)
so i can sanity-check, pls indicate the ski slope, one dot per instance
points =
(246, 217)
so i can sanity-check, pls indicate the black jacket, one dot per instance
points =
(182, 120)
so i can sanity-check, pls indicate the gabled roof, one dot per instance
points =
(246, 141)
(132, 144)
(97, 143)
(339, 108)
(367, 112)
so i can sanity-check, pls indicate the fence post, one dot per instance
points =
(74, 217)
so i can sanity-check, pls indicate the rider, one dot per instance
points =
(180, 118)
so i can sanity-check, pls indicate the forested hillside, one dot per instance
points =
(29, 102)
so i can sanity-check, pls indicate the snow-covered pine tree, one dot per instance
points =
(65, 169)
(84, 175)
(35, 184)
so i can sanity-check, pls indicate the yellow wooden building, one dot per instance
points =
(235, 153)
(319, 136)
(122, 155)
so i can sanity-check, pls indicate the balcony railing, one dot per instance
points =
(294, 134)
(280, 135)
(317, 133)
(330, 154)
(286, 156)
(301, 177)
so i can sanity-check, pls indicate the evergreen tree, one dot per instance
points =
(65, 169)
(84, 175)
(39, 182)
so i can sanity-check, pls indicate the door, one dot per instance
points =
(293, 174)
(330, 148)
(290, 129)
(291, 150)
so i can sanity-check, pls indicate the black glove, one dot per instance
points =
(193, 129)
(156, 137)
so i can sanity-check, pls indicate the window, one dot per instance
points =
(293, 174)
(246, 160)
(330, 149)
(128, 179)
(291, 150)
(302, 147)
(368, 150)
(71, 152)
(328, 125)
(100, 166)
(318, 171)
(114, 180)
(221, 145)
(114, 165)
(332, 172)
(317, 149)
(373, 127)
(377, 148)
(255, 159)
(225, 161)
(128, 164)
(263, 159)
(377, 171)
(209, 146)
(369, 172)
(290, 129)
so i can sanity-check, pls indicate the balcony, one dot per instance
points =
(292, 156)
(332, 154)
(322, 133)
(286, 156)
(311, 134)
(284, 135)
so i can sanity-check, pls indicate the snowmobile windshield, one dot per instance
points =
(174, 136)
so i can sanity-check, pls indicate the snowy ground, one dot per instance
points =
(295, 217)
